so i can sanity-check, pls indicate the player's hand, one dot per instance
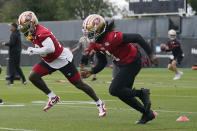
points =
(85, 73)
(3, 43)
(154, 59)
(163, 47)
(73, 51)
(30, 51)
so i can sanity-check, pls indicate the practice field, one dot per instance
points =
(22, 110)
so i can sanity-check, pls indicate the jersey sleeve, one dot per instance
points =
(115, 38)
(93, 46)
(136, 38)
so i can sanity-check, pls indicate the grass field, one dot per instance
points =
(170, 99)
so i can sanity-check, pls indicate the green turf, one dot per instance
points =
(170, 99)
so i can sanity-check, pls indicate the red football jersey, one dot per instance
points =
(40, 35)
(112, 46)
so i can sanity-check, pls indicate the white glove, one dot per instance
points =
(30, 51)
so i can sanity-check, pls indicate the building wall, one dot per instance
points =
(153, 30)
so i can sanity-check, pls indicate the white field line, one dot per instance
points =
(151, 95)
(176, 96)
(127, 109)
(2, 105)
(65, 104)
(13, 129)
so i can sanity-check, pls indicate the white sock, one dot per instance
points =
(51, 94)
(99, 102)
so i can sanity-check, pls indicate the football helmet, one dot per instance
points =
(93, 26)
(172, 34)
(27, 22)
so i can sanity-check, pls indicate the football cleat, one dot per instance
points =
(178, 76)
(24, 82)
(145, 98)
(51, 103)
(101, 108)
(146, 117)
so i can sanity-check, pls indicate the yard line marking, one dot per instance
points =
(2, 105)
(176, 96)
(13, 129)
(88, 107)
(127, 109)
(151, 95)
(70, 102)
(77, 92)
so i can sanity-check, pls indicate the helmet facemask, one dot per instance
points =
(172, 37)
(27, 24)
(94, 35)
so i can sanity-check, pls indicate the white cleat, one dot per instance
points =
(178, 76)
(52, 102)
(102, 110)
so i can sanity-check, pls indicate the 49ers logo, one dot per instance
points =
(28, 18)
(96, 21)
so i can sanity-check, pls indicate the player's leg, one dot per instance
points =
(18, 69)
(119, 88)
(170, 67)
(35, 77)
(174, 66)
(71, 73)
(92, 66)
(11, 68)
(83, 63)
(122, 87)
(81, 67)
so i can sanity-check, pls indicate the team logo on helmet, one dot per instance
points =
(96, 21)
(28, 18)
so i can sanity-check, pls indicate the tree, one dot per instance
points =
(80, 9)
(51, 10)
(193, 4)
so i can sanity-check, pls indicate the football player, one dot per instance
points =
(174, 46)
(83, 44)
(54, 57)
(106, 41)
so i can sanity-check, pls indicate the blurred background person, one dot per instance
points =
(14, 54)
(83, 44)
(174, 46)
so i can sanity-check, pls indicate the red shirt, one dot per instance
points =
(41, 34)
(112, 46)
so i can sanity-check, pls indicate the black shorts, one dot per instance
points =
(86, 58)
(179, 59)
(91, 59)
(69, 70)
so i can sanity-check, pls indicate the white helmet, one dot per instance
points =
(93, 26)
(27, 22)
(172, 34)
